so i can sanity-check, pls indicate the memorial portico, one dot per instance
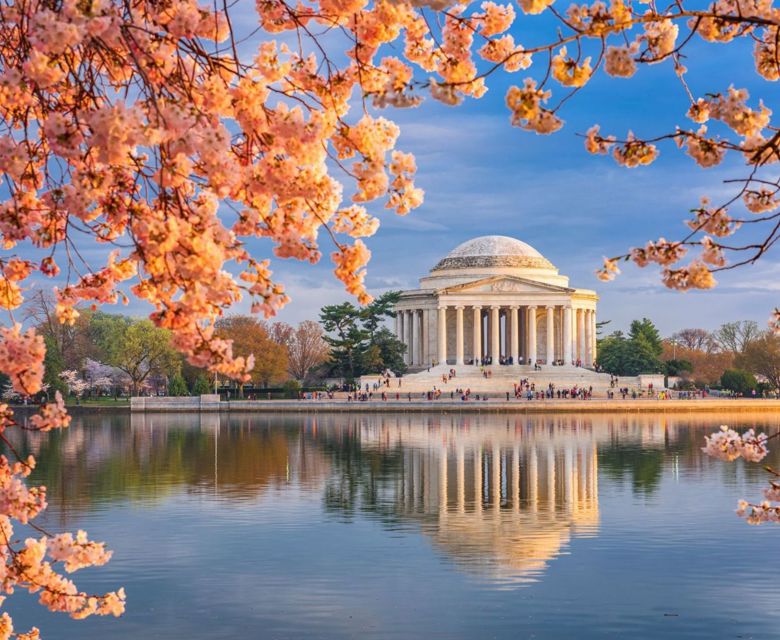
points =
(497, 300)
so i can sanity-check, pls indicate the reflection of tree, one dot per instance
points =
(643, 466)
(362, 478)
(100, 459)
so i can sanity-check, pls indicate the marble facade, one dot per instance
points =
(495, 299)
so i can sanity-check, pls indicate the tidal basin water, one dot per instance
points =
(411, 526)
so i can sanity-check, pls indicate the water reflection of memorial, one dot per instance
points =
(500, 497)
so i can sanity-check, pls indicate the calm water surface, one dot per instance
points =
(396, 526)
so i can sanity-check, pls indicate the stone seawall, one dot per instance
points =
(208, 402)
(211, 403)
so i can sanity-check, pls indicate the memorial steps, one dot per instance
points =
(502, 379)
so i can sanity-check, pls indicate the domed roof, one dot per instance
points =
(493, 251)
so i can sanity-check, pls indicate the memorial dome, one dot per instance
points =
(493, 251)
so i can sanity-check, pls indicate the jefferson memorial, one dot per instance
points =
(496, 300)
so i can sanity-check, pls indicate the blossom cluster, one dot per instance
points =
(729, 445)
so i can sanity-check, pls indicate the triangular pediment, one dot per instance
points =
(504, 284)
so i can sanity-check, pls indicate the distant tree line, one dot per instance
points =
(112, 354)
(738, 356)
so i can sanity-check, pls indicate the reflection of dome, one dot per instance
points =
(493, 251)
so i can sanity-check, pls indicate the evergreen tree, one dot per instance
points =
(177, 386)
(645, 333)
(358, 341)
(53, 365)
(639, 352)
(738, 381)
(201, 386)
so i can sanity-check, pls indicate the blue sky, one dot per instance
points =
(482, 176)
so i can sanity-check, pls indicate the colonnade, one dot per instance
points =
(515, 334)
(493, 476)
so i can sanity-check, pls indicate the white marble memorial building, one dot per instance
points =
(495, 299)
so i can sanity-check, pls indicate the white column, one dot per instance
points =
(495, 335)
(515, 352)
(522, 318)
(398, 326)
(441, 356)
(459, 336)
(588, 339)
(477, 335)
(532, 334)
(408, 336)
(567, 335)
(581, 335)
(550, 335)
(425, 332)
(415, 337)
(594, 349)
(399, 316)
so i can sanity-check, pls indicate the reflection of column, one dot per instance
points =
(551, 477)
(496, 478)
(459, 336)
(533, 479)
(567, 472)
(442, 353)
(516, 478)
(495, 335)
(550, 334)
(443, 481)
(532, 334)
(567, 335)
(477, 479)
(461, 480)
(477, 335)
(515, 352)
(581, 335)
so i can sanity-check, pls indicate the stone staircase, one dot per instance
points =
(501, 380)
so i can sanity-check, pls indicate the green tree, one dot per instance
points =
(358, 342)
(137, 347)
(645, 333)
(390, 351)
(375, 313)
(292, 389)
(201, 386)
(738, 381)
(677, 367)
(177, 386)
(639, 352)
(53, 365)
(347, 339)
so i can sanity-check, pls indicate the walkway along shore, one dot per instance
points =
(493, 405)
